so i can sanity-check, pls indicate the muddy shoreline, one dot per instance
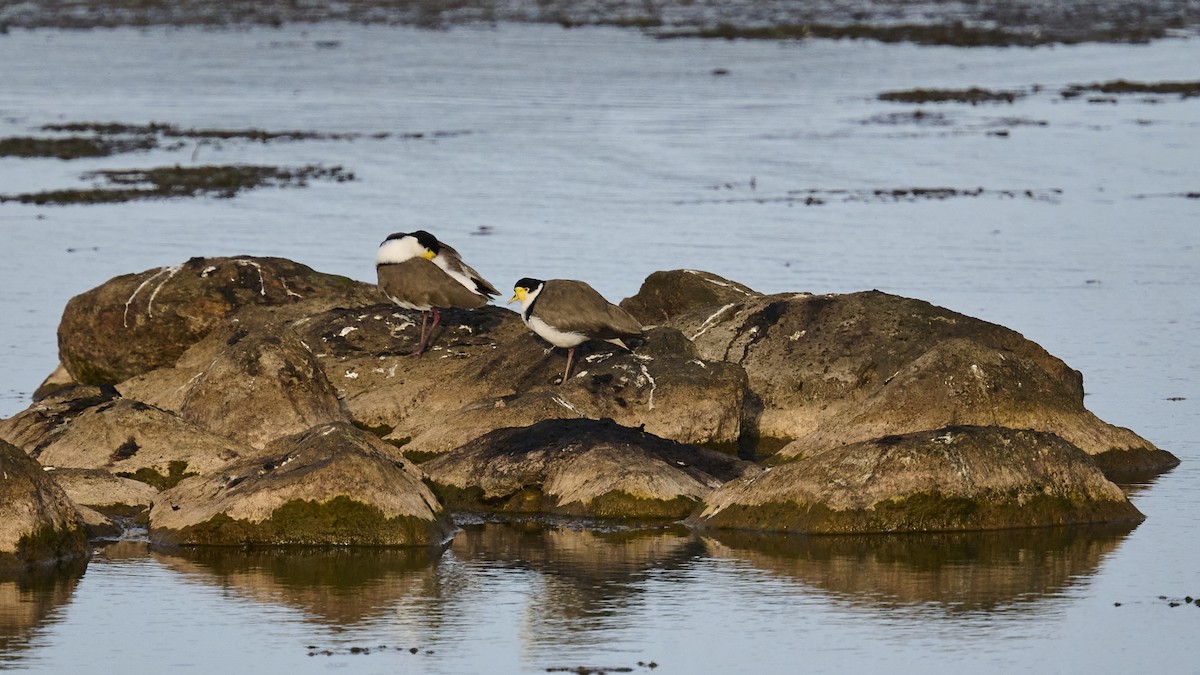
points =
(964, 23)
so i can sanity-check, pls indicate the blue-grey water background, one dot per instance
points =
(604, 155)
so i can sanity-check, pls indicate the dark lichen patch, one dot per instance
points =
(472, 498)
(176, 472)
(126, 450)
(973, 95)
(340, 521)
(379, 430)
(1119, 87)
(134, 514)
(72, 147)
(175, 182)
(85, 370)
(924, 512)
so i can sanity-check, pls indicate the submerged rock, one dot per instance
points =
(38, 523)
(592, 468)
(135, 323)
(333, 484)
(957, 478)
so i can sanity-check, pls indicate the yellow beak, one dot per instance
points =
(518, 294)
(428, 255)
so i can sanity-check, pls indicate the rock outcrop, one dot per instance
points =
(488, 371)
(259, 402)
(38, 523)
(252, 383)
(332, 485)
(830, 370)
(592, 468)
(138, 322)
(122, 436)
(957, 478)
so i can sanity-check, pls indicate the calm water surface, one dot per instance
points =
(602, 155)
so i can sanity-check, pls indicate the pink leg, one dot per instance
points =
(426, 338)
(421, 344)
(570, 358)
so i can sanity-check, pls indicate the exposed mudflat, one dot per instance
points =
(956, 22)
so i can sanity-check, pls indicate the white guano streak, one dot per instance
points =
(711, 320)
(169, 271)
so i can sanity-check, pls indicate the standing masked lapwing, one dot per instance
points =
(567, 313)
(416, 271)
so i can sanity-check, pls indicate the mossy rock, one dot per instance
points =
(955, 478)
(340, 521)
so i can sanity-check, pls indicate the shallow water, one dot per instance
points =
(602, 155)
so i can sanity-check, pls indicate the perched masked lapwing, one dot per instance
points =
(567, 313)
(416, 271)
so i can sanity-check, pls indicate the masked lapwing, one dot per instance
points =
(567, 313)
(416, 271)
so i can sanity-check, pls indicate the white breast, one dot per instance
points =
(554, 336)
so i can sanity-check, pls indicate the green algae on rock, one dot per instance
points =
(956, 478)
(331, 485)
(39, 525)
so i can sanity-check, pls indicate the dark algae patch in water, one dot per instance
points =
(71, 147)
(951, 34)
(1118, 87)
(973, 95)
(174, 182)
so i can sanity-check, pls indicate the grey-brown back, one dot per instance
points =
(422, 283)
(575, 307)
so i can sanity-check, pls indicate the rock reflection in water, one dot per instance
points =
(959, 571)
(334, 587)
(28, 601)
(587, 579)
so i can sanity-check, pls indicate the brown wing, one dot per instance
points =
(455, 262)
(423, 283)
(575, 307)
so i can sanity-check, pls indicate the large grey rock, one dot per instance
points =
(100, 490)
(829, 370)
(38, 523)
(579, 467)
(958, 478)
(488, 371)
(129, 438)
(135, 323)
(667, 294)
(251, 381)
(333, 484)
